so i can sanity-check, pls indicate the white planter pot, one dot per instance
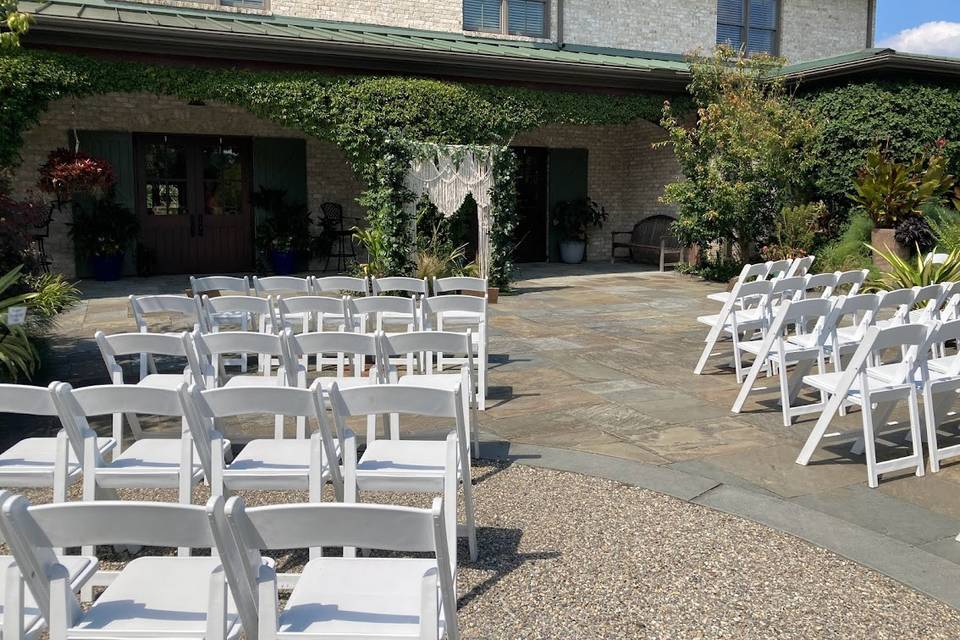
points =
(571, 251)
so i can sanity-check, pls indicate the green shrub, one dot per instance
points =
(945, 223)
(915, 272)
(849, 251)
(795, 231)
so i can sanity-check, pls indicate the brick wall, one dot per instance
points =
(669, 26)
(329, 177)
(625, 173)
(814, 29)
(811, 28)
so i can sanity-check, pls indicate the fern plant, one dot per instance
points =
(18, 356)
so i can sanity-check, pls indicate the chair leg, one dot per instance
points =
(870, 445)
(930, 422)
(916, 431)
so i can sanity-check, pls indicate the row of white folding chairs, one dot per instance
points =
(319, 313)
(235, 588)
(405, 358)
(750, 307)
(201, 453)
(807, 332)
(313, 285)
(876, 385)
(770, 270)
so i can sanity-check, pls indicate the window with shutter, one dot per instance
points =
(514, 17)
(748, 24)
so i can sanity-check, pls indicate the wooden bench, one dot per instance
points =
(651, 242)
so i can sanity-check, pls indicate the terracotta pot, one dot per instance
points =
(884, 239)
(493, 294)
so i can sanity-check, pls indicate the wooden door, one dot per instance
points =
(568, 181)
(193, 198)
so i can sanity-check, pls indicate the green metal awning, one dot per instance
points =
(168, 30)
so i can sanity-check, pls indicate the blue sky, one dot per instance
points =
(921, 26)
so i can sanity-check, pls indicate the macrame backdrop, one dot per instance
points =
(447, 177)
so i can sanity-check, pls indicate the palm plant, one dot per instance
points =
(18, 356)
(918, 271)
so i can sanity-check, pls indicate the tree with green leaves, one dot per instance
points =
(742, 159)
(13, 24)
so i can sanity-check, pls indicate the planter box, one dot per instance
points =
(884, 239)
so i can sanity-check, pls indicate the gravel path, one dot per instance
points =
(567, 556)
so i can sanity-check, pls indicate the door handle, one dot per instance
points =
(200, 225)
(193, 231)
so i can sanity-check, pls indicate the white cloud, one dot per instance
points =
(940, 38)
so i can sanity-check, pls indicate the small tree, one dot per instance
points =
(13, 24)
(743, 158)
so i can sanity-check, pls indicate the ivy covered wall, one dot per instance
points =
(907, 115)
(361, 114)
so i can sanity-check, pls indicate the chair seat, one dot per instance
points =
(719, 296)
(253, 380)
(164, 380)
(155, 597)
(32, 460)
(461, 316)
(150, 462)
(409, 464)
(945, 364)
(446, 381)
(744, 317)
(828, 382)
(753, 346)
(79, 568)
(228, 317)
(274, 464)
(357, 598)
(347, 382)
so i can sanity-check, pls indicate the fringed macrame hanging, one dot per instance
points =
(448, 174)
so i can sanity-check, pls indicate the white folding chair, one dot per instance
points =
(894, 307)
(417, 347)
(184, 309)
(151, 597)
(800, 266)
(338, 598)
(459, 284)
(379, 313)
(20, 617)
(343, 285)
(458, 313)
(256, 314)
(940, 391)
(277, 287)
(145, 464)
(303, 463)
(344, 348)
(413, 286)
(210, 348)
(155, 344)
(436, 466)
(821, 285)
(931, 298)
(324, 313)
(950, 308)
(853, 316)
(231, 284)
(876, 389)
(749, 273)
(852, 279)
(753, 314)
(811, 320)
(782, 269)
(41, 462)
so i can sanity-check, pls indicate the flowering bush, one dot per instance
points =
(68, 172)
(103, 228)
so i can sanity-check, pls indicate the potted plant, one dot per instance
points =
(572, 219)
(284, 237)
(101, 231)
(891, 192)
(69, 173)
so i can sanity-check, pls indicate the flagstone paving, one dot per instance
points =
(599, 358)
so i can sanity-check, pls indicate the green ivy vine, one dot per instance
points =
(363, 115)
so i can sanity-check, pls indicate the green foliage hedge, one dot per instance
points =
(909, 116)
(363, 115)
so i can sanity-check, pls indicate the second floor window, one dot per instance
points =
(751, 24)
(514, 17)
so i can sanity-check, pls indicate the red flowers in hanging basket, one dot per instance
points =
(66, 173)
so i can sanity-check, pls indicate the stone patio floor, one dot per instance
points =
(599, 358)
